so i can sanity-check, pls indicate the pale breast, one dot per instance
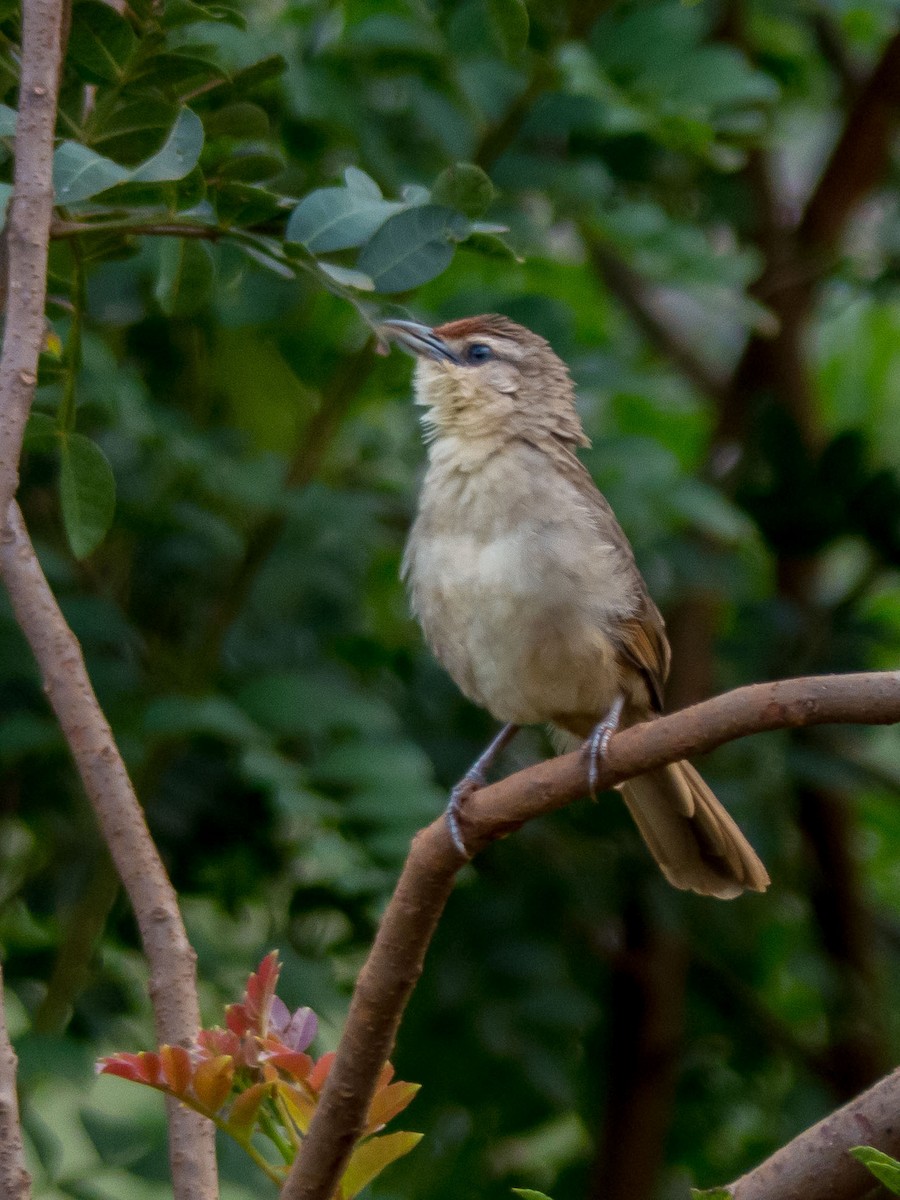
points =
(514, 586)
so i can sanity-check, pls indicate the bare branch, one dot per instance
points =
(27, 232)
(395, 962)
(15, 1182)
(172, 961)
(171, 958)
(816, 1165)
(859, 158)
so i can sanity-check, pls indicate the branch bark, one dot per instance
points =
(816, 1165)
(15, 1182)
(395, 961)
(27, 232)
(171, 958)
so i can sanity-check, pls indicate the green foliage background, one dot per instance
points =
(219, 476)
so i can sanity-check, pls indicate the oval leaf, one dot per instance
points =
(509, 19)
(463, 186)
(79, 173)
(338, 219)
(412, 247)
(87, 491)
(101, 42)
(178, 156)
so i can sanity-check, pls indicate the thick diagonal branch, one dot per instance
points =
(395, 962)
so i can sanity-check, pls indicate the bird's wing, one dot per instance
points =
(641, 639)
(642, 642)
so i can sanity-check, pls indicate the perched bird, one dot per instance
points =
(527, 590)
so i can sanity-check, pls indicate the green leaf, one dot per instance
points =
(128, 131)
(41, 431)
(178, 74)
(8, 118)
(178, 156)
(529, 1194)
(250, 168)
(101, 42)
(338, 219)
(882, 1166)
(215, 716)
(239, 120)
(509, 21)
(412, 247)
(87, 491)
(711, 1194)
(243, 204)
(347, 277)
(463, 186)
(186, 276)
(358, 181)
(79, 173)
(370, 1159)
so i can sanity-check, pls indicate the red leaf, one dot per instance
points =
(237, 1019)
(385, 1077)
(140, 1068)
(292, 1062)
(218, 1041)
(212, 1081)
(319, 1073)
(176, 1068)
(260, 990)
(388, 1102)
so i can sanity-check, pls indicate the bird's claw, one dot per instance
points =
(598, 743)
(470, 782)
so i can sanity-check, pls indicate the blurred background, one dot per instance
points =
(702, 213)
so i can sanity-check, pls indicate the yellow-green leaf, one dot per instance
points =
(370, 1159)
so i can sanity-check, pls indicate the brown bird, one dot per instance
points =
(527, 590)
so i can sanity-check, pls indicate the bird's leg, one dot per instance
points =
(598, 742)
(474, 778)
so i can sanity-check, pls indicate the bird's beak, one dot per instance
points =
(418, 340)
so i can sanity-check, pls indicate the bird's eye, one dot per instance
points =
(477, 353)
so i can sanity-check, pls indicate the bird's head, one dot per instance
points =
(489, 378)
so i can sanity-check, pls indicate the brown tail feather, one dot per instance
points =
(698, 846)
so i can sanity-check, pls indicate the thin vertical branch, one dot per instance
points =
(15, 1182)
(28, 231)
(56, 649)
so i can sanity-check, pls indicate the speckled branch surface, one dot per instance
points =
(395, 962)
(59, 657)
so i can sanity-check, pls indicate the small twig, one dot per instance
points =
(395, 961)
(15, 1182)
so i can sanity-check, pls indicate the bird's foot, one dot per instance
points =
(598, 743)
(470, 782)
(474, 778)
